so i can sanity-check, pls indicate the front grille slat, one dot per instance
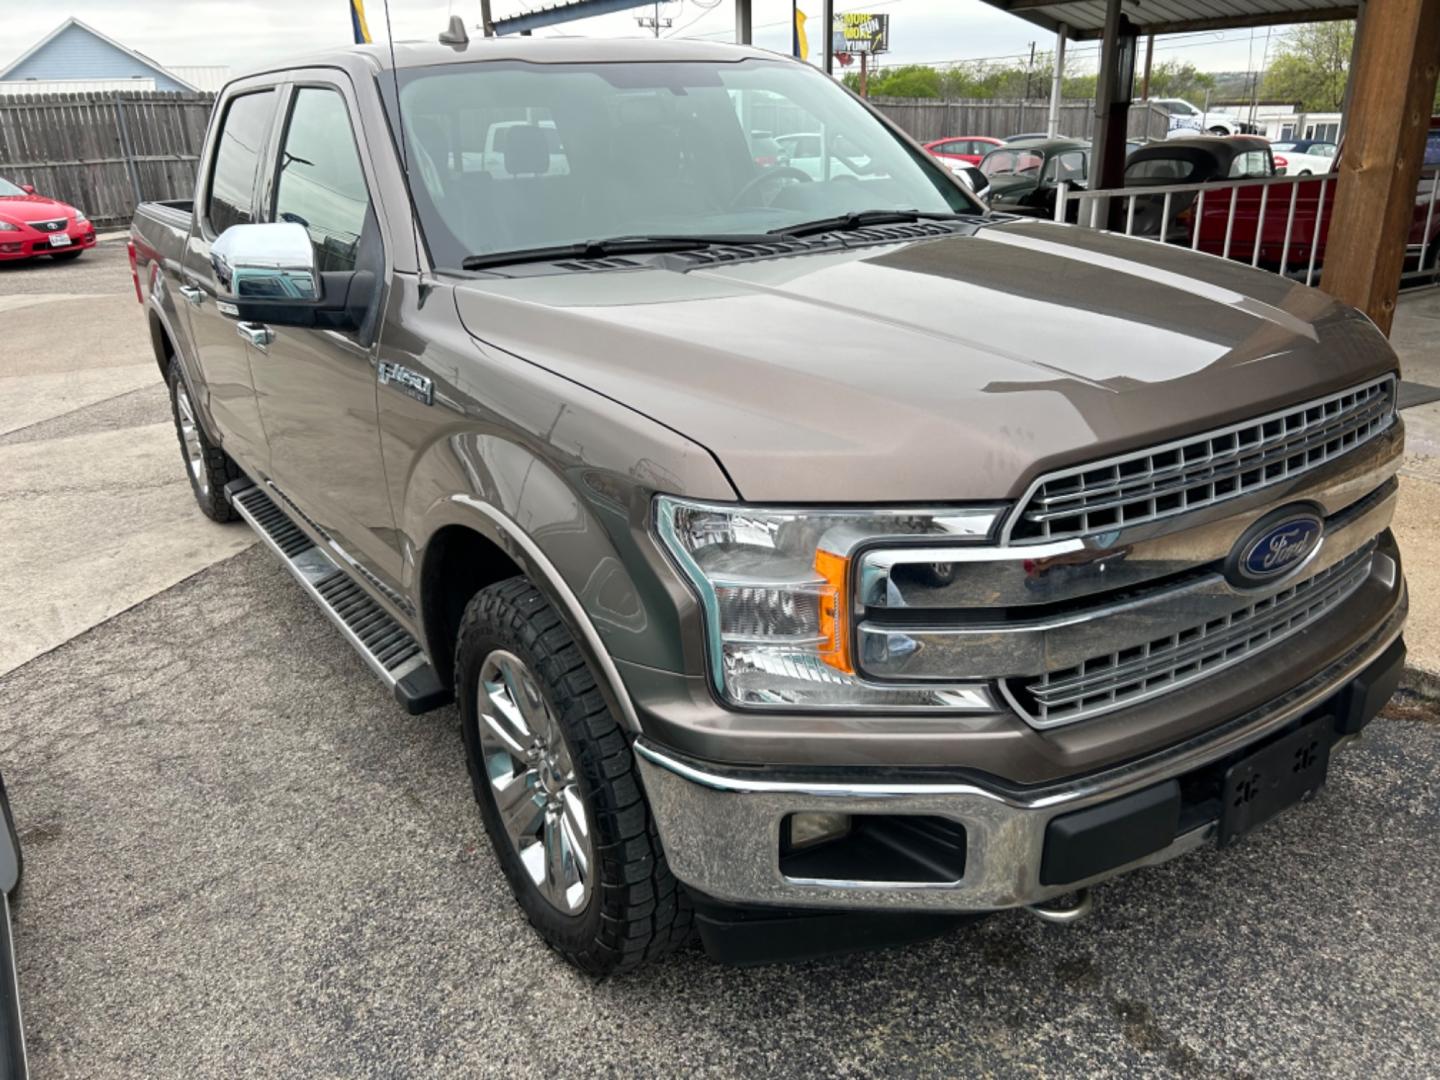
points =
(1109, 681)
(1183, 476)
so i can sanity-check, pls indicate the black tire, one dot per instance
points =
(66, 256)
(214, 468)
(7, 822)
(636, 911)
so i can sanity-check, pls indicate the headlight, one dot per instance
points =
(5, 226)
(776, 589)
(81, 219)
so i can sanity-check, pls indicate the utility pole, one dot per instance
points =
(654, 22)
(864, 75)
(486, 22)
(1149, 56)
(1030, 67)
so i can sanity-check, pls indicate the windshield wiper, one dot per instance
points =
(861, 219)
(616, 245)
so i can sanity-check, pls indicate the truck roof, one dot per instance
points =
(553, 50)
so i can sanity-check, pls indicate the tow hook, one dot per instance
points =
(1067, 909)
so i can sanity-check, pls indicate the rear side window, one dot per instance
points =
(1164, 170)
(242, 137)
(319, 181)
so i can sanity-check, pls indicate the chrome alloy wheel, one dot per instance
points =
(190, 432)
(532, 778)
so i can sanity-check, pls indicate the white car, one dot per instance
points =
(1187, 120)
(1304, 157)
(801, 150)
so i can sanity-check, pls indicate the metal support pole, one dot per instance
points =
(1350, 73)
(1057, 82)
(744, 33)
(487, 23)
(827, 16)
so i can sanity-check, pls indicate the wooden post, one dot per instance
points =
(1379, 171)
(1149, 56)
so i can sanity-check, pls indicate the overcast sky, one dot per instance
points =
(244, 33)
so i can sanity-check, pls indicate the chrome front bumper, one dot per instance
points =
(720, 826)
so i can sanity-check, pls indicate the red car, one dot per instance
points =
(1422, 250)
(31, 224)
(969, 148)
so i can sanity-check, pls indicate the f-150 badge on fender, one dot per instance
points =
(407, 382)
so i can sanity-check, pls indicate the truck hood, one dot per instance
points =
(942, 369)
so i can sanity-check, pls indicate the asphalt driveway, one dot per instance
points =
(244, 859)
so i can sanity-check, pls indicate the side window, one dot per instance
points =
(319, 181)
(237, 152)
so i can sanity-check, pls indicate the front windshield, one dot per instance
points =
(7, 188)
(1011, 163)
(510, 155)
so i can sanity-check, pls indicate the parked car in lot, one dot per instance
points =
(1304, 157)
(1187, 120)
(1199, 160)
(31, 225)
(807, 151)
(968, 149)
(1024, 176)
(13, 1065)
(1067, 553)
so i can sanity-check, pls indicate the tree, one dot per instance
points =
(909, 81)
(1312, 65)
(1177, 79)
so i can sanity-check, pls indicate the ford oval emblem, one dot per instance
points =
(1275, 546)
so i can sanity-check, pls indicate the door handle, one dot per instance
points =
(191, 293)
(257, 334)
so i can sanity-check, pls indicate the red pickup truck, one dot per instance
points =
(1268, 208)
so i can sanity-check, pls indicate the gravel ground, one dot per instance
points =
(244, 859)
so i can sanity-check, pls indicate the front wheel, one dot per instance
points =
(558, 788)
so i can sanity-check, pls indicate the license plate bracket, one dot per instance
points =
(59, 239)
(1272, 779)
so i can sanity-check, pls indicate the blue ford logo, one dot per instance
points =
(1275, 546)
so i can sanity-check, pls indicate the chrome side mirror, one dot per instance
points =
(269, 262)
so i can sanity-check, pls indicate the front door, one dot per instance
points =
(316, 388)
(228, 198)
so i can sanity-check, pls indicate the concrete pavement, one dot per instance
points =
(95, 511)
(1416, 337)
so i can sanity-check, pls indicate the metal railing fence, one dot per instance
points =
(1277, 222)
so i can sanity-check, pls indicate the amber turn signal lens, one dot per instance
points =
(835, 611)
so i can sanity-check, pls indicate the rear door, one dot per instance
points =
(226, 197)
(316, 388)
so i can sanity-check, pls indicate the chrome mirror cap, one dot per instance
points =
(271, 261)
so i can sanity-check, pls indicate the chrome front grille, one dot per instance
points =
(49, 226)
(1115, 680)
(1188, 474)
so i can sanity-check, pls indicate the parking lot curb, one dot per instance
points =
(1421, 683)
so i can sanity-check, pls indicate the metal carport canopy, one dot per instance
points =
(1084, 20)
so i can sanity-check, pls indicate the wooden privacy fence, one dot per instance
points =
(104, 152)
(926, 119)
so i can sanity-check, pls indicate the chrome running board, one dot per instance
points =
(388, 648)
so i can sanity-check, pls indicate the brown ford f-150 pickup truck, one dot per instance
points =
(813, 555)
